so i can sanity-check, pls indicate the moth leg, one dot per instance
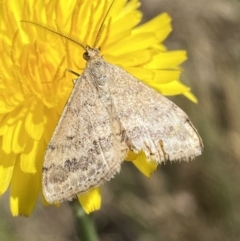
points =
(73, 72)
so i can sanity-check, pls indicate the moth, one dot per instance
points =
(109, 113)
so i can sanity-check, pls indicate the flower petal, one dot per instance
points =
(32, 155)
(173, 88)
(7, 139)
(123, 24)
(141, 163)
(141, 74)
(6, 170)
(167, 60)
(130, 59)
(163, 77)
(190, 96)
(91, 201)
(3, 107)
(34, 120)
(51, 118)
(160, 25)
(132, 43)
(24, 191)
(19, 138)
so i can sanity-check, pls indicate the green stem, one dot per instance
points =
(85, 225)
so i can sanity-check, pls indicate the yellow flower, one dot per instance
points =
(34, 86)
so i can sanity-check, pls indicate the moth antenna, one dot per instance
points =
(101, 26)
(58, 32)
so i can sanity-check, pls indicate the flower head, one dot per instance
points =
(35, 87)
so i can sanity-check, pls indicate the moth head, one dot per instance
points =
(91, 53)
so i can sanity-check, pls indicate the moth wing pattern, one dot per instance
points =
(152, 123)
(82, 152)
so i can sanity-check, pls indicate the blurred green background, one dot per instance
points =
(196, 201)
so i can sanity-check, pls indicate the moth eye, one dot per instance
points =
(86, 56)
